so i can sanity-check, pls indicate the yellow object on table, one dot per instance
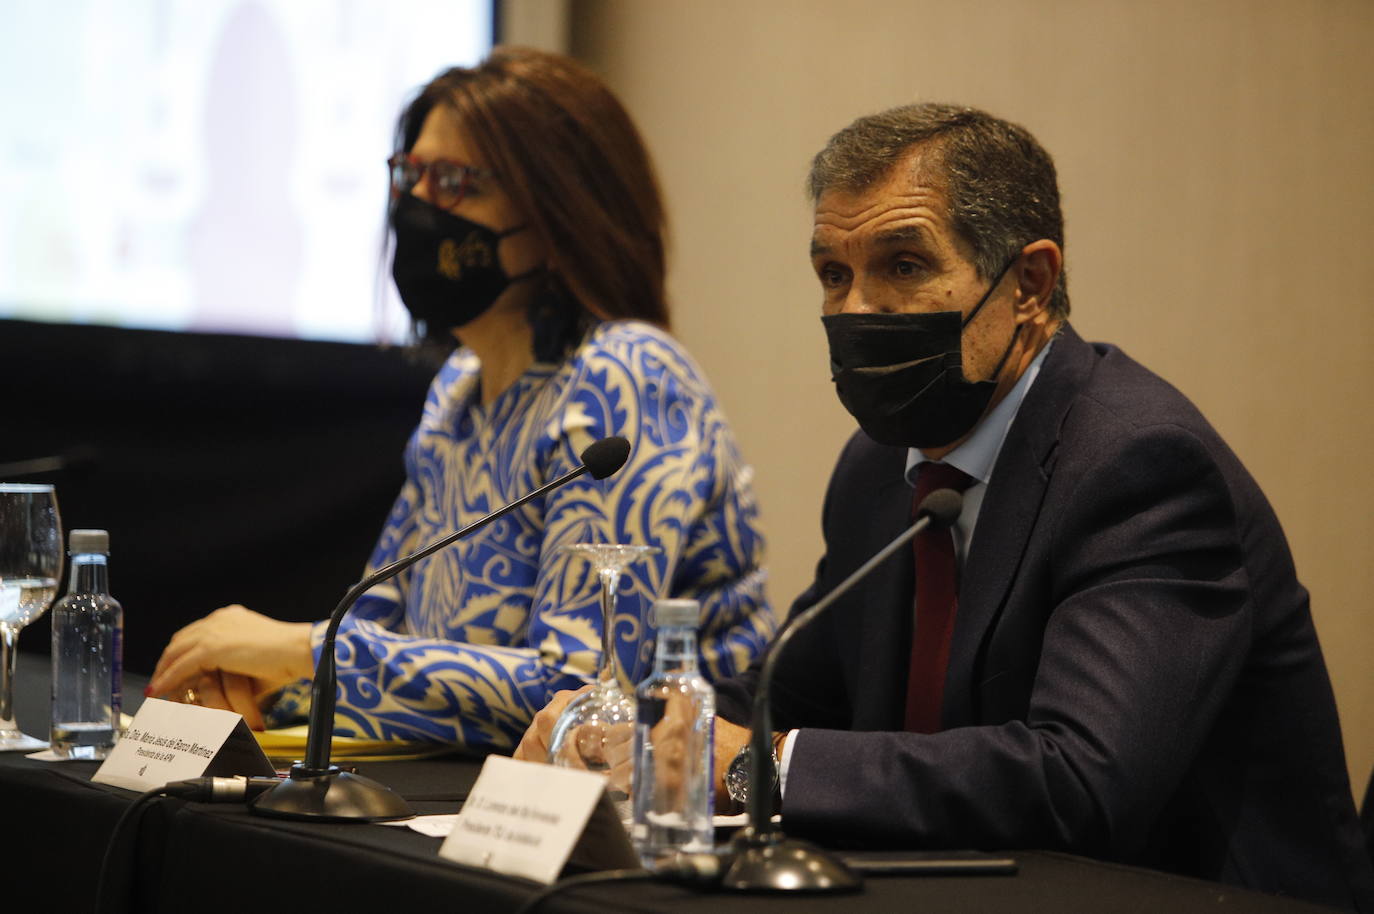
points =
(288, 743)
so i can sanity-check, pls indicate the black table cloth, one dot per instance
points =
(179, 856)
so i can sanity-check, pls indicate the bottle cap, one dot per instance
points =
(84, 541)
(677, 612)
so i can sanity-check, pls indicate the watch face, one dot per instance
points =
(737, 776)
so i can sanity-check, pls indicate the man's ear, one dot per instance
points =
(1037, 273)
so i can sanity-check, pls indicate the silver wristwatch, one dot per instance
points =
(737, 775)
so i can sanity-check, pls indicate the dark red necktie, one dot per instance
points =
(937, 602)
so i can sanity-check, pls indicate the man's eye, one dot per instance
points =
(831, 277)
(907, 268)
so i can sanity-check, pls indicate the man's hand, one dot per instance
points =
(595, 746)
(615, 745)
(676, 739)
(730, 738)
(534, 745)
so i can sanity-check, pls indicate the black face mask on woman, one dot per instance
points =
(446, 267)
(902, 375)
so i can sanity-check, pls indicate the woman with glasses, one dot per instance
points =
(526, 224)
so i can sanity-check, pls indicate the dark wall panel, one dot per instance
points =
(226, 468)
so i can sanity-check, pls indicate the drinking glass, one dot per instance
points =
(30, 563)
(604, 716)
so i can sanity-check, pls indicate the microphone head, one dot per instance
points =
(942, 507)
(604, 457)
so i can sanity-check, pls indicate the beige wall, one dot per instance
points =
(1217, 163)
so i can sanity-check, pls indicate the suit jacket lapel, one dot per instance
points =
(1007, 516)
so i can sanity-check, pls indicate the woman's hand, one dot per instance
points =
(233, 657)
(233, 692)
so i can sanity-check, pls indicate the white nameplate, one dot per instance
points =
(524, 819)
(169, 741)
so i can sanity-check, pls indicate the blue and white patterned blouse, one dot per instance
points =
(465, 646)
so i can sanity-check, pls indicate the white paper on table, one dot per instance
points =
(438, 826)
(737, 821)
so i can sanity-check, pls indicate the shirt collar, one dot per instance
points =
(978, 455)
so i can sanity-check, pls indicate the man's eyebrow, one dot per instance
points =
(894, 237)
(904, 234)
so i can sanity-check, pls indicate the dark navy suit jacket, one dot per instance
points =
(1134, 674)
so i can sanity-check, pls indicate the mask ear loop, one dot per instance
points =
(533, 271)
(988, 294)
(528, 274)
(1006, 353)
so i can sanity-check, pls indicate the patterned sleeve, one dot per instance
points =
(677, 491)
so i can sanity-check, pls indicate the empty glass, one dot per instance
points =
(30, 564)
(598, 725)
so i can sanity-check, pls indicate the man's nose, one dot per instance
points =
(858, 299)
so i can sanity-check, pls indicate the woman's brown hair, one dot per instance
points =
(569, 157)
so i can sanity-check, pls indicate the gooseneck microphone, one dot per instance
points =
(316, 789)
(764, 859)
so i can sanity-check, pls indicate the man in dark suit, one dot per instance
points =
(1110, 653)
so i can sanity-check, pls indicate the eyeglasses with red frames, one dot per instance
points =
(449, 182)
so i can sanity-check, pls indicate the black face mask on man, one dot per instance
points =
(902, 375)
(446, 267)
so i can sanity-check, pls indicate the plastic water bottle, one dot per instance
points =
(674, 795)
(87, 654)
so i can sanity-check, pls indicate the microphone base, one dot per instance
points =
(332, 796)
(771, 862)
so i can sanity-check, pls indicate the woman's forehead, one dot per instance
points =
(442, 137)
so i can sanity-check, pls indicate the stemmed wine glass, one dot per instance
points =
(604, 716)
(30, 562)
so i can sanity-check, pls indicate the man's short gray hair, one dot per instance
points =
(1000, 183)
